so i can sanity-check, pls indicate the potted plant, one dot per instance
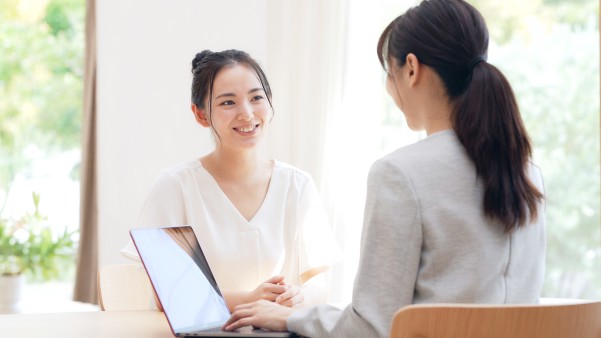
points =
(30, 247)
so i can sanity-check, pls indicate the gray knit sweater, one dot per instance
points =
(426, 239)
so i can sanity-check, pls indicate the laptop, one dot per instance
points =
(184, 284)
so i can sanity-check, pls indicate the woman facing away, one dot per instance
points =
(455, 218)
(260, 222)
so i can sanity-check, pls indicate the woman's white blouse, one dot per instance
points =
(288, 235)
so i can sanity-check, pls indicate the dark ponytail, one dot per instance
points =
(451, 37)
(487, 121)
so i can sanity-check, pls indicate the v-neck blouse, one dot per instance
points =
(214, 188)
(288, 235)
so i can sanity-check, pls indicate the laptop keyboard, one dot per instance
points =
(199, 332)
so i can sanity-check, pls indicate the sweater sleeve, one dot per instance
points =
(390, 253)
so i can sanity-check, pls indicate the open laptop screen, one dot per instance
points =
(181, 278)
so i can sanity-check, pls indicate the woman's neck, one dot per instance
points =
(437, 125)
(438, 116)
(434, 104)
(232, 166)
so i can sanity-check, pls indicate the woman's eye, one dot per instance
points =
(227, 103)
(256, 98)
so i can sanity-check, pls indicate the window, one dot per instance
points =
(41, 70)
(549, 51)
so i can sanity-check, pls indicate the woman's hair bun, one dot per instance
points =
(199, 57)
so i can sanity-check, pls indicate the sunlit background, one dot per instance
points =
(548, 49)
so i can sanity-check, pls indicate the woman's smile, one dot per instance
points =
(248, 129)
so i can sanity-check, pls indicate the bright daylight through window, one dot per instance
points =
(549, 51)
(41, 69)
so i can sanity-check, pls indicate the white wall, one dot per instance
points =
(144, 121)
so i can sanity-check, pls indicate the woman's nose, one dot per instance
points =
(246, 112)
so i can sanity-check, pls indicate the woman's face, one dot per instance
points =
(240, 109)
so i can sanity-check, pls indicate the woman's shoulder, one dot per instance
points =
(178, 168)
(287, 169)
(438, 142)
(179, 172)
(425, 155)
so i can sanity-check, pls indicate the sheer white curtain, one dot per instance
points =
(305, 65)
(367, 127)
(332, 112)
(306, 57)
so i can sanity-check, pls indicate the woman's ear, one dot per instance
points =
(413, 69)
(200, 116)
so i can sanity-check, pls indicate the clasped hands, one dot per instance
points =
(275, 289)
(268, 306)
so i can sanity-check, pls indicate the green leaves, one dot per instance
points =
(31, 245)
(41, 86)
(57, 19)
(550, 55)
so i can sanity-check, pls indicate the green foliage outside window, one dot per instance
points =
(30, 246)
(549, 50)
(41, 71)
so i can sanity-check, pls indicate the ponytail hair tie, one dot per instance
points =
(475, 62)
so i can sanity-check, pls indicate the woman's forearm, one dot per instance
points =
(234, 298)
(314, 291)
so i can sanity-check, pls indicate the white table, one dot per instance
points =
(131, 324)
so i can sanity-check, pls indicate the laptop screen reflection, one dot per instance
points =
(182, 279)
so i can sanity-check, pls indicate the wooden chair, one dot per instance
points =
(582, 320)
(124, 287)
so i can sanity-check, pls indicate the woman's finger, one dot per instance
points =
(236, 324)
(293, 301)
(295, 298)
(243, 307)
(293, 290)
(275, 280)
(276, 289)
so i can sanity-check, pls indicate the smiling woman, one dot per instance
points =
(233, 89)
(239, 109)
(260, 222)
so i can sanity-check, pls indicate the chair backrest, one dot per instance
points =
(582, 320)
(124, 287)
